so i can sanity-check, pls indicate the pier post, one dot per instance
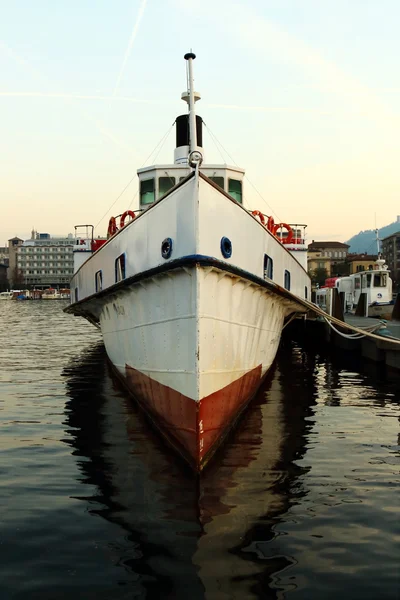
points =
(337, 305)
(396, 309)
(362, 307)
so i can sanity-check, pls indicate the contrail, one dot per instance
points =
(64, 96)
(130, 44)
(39, 77)
(268, 108)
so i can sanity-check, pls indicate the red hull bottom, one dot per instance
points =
(195, 429)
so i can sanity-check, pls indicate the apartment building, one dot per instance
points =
(44, 261)
(391, 254)
(326, 255)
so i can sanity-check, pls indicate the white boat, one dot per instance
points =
(51, 294)
(6, 295)
(375, 284)
(192, 293)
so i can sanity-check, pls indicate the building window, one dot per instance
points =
(235, 190)
(147, 191)
(287, 280)
(219, 181)
(120, 268)
(99, 281)
(268, 267)
(165, 184)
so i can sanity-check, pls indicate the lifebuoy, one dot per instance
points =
(258, 213)
(112, 227)
(127, 213)
(271, 224)
(288, 239)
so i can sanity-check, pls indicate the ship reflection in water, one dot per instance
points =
(252, 525)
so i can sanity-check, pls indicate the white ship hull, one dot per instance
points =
(193, 335)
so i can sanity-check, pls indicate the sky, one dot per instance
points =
(304, 94)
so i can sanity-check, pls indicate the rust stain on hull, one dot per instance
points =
(195, 429)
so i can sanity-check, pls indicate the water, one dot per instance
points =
(302, 502)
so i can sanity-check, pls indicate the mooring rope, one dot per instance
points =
(363, 332)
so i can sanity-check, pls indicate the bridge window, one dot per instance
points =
(165, 184)
(235, 190)
(219, 181)
(76, 295)
(287, 280)
(147, 191)
(379, 280)
(99, 281)
(305, 292)
(268, 267)
(120, 268)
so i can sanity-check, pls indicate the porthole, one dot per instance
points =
(166, 248)
(226, 247)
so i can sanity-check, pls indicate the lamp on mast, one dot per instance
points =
(195, 157)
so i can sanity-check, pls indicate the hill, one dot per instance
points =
(365, 241)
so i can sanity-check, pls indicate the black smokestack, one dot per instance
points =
(182, 131)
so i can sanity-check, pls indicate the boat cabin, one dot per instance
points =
(156, 181)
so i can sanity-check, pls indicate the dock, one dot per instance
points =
(371, 338)
(379, 351)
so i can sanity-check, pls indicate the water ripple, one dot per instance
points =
(301, 502)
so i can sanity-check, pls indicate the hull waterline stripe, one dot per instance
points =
(186, 261)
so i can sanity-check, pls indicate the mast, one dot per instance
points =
(195, 157)
(377, 242)
(192, 113)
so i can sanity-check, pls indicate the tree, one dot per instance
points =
(340, 269)
(4, 284)
(17, 278)
(318, 276)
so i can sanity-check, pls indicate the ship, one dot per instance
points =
(191, 291)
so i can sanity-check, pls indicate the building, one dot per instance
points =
(13, 275)
(360, 262)
(326, 255)
(44, 261)
(4, 254)
(391, 254)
